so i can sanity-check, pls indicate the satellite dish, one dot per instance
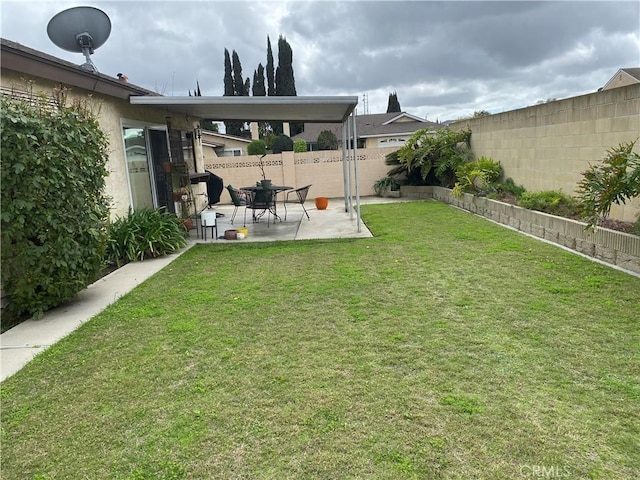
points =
(80, 29)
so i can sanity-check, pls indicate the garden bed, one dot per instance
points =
(610, 246)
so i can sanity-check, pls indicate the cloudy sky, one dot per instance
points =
(445, 59)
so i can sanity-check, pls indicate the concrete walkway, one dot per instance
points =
(21, 343)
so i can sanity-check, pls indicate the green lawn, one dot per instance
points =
(445, 348)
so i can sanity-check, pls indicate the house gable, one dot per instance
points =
(622, 78)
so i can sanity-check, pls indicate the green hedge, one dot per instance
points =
(54, 210)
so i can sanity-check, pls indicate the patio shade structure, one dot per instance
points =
(334, 109)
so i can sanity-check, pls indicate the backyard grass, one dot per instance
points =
(444, 348)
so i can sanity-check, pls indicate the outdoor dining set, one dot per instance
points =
(262, 200)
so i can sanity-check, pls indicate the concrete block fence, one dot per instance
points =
(610, 246)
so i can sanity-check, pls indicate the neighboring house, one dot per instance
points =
(622, 78)
(216, 144)
(142, 139)
(373, 131)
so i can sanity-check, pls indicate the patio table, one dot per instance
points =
(276, 189)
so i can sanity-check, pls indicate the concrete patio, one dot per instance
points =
(334, 222)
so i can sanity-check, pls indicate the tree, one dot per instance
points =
(271, 84)
(394, 104)
(480, 114)
(327, 140)
(282, 143)
(259, 89)
(615, 180)
(228, 76)
(234, 86)
(238, 82)
(285, 81)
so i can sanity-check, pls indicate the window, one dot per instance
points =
(231, 152)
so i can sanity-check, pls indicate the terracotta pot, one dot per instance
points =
(322, 203)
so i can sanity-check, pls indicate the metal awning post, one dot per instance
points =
(350, 181)
(355, 168)
(344, 166)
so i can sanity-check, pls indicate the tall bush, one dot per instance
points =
(327, 140)
(282, 143)
(257, 147)
(54, 210)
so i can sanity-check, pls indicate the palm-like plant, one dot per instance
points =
(430, 157)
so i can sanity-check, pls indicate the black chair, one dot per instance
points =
(263, 199)
(239, 199)
(298, 195)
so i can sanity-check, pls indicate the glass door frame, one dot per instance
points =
(146, 126)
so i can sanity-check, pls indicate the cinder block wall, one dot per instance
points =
(548, 146)
(323, 170)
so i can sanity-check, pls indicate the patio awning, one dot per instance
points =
(256, 109)
(278, 109)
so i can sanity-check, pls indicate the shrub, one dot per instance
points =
(299, 146)
(615, 180)
(327, 140)
(386, 183)
(431, 158)
(478, 176)
(551, 201)
(257, 147)
(54, 210)
(142, 234)
(508, 188)
(282, 143)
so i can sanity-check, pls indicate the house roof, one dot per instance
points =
(633, 73)
(257, 109)
(215, 139)
(26, 60)
(372, 125)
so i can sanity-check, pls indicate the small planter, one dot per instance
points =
(322, 203)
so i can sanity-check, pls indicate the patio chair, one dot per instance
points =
(262, 200)
(298, 195)
(239, 199)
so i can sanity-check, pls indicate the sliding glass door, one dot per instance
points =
(141, 177)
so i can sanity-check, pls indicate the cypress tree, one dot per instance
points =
(285, 81)
(394, 104)
(258, 82)
(271, 86)
(238, 82)
(228, 78)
